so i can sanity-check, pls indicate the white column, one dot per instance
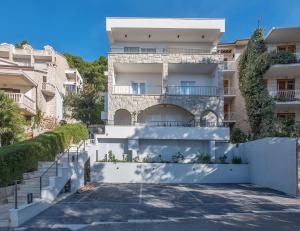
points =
(212, 150)
(133, 146)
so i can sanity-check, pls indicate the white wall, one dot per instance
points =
(176, 133)
(169, 173)
(164, 113)
(273, 163)
(167, 148)
(200, 79)
(117, 146)
(125, 79)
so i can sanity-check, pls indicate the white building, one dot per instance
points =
(165, 87)
(37, 79)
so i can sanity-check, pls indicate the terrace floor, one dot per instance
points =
(173, 207)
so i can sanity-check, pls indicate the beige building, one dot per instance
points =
(37, 79)
(281, 80)
(234, 105)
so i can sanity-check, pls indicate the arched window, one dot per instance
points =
(122, 117)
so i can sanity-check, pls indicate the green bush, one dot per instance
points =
(203, 158)
(22, 157)
(238, 136)
(236, 160)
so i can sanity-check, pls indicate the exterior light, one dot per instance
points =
(125, 35)
(149, 35)
(178, 36)
(202, 36)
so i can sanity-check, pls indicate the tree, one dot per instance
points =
(254, 62)
(11, 121)
(20, 45)
(88, 104)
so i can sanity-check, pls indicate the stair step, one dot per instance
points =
(4, 223)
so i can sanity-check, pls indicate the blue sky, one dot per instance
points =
(78, 26)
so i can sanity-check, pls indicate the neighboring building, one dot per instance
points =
(283, 80)
(165, 87)
(37, 79)
(234, 105)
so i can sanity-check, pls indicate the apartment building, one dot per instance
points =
(165, 87)
(234, 105)
(37, 79)
(283, 80)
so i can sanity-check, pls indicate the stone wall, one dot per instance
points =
(194, 104)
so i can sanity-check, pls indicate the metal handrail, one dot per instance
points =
(56, 171)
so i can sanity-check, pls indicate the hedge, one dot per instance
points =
(22, 157)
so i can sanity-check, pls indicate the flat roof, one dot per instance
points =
(283, 35)
(164, 29)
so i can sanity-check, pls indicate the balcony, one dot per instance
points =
(229, 66)
(140, 50)
(286, 96)
(48, 89)
(229, 117)
(229, 92)
(207, 91)
(128, 90)
(192, 90)
(24, 102)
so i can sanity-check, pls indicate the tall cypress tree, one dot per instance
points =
(254, 62)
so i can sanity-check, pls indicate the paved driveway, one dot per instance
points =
(172, 207)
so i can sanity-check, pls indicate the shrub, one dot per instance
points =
(177, 158)
(236, 160)
(223, 159)
(22, 157)
(203, 158)
(238, 136)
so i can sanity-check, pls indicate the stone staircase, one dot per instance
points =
(31, 183)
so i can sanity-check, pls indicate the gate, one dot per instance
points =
(87, 172)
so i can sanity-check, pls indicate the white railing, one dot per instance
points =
(285, 95)
(228, 91)
(128, 90)
(192, 90)
(23, 101)
(171, 50)
(48, 87)
(229, 66)
(229, 116)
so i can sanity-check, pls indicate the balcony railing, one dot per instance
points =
(23, 101)
(285, 95)
(229, 66)
(229, 91)
(128, 90)
(48, 89)
(141, 50)
(229, 116)
(192, 90)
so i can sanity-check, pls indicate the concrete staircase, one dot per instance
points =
(46, 171)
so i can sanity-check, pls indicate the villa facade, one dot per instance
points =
(165, 87)
(37, 79)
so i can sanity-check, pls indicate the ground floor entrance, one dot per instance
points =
(172, 207)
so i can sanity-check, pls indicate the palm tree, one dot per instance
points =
(11, 120)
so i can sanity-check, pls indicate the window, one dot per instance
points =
(44, 79)
(138, 88)
(148, 50)
(265, 83)
(285, 84)
(187, 87)
(285, 116)
(288, 48)
(131, 49)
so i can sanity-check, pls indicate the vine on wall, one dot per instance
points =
(253, 64)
